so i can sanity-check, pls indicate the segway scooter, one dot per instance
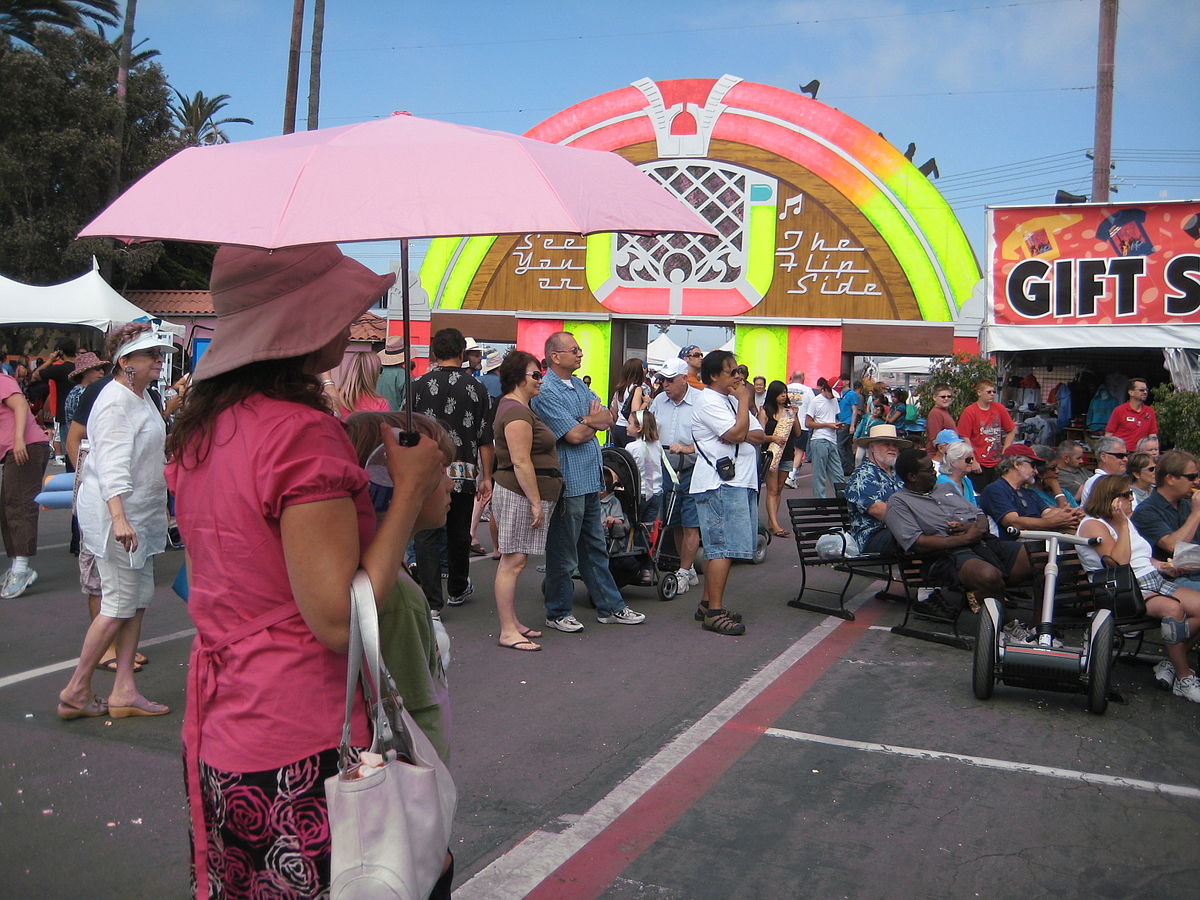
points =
(1045, 664)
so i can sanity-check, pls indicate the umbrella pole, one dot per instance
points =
(408, 437)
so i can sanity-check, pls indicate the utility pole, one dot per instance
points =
(293, 77)
(1105, 64)
(314, 65)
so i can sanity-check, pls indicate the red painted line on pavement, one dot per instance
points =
(594, 868)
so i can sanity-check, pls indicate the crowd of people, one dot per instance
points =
(288, 475)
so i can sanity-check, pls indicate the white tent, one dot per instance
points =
(904, 365)
(86, 300)
(659, 350)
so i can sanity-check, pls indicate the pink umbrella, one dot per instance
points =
(396, 178)
(399, 177)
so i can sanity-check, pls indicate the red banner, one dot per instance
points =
(1103, 264)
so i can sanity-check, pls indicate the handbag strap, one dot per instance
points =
(363, 663)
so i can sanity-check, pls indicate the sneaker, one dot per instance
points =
(460, 599)
(1164, 674)
(622, 616)
(702, 608)
(692, 578)
(682, 583)
(1188, 687)
(792, 481)
(15, 585)
(436, 615)
(569, 624)
(938, 606)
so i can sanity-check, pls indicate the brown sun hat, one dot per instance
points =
(274, 304)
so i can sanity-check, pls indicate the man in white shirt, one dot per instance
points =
(725, 482)
(823, 425)
(801, 396)
(673, 410)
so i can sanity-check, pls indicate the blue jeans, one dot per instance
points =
(827, 471)
(576, 539)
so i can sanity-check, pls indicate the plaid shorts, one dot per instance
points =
(510, 511)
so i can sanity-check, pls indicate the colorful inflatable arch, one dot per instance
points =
(821, 221)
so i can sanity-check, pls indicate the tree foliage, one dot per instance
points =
(58, 113)
(197, 122)
(21, 19)
(961, 371)
(1178, 415)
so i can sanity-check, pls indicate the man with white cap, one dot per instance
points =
(673, 409)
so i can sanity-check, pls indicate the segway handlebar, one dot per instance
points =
(1071, 539)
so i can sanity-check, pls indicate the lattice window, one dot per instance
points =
(718, 191)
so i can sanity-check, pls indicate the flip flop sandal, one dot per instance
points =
(530, 633)
(92, 709)
(150, 709)
(110, 665)
(522, 646)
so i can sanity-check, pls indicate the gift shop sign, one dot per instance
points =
(1102, 264)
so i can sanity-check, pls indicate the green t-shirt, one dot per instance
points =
(410, 654)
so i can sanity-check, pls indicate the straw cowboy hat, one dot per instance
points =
(393, 353)
(882, 433)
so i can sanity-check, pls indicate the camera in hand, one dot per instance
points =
(726, 468)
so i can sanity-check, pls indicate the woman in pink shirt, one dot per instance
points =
(351, 386)
(274, 509)
(25, 450)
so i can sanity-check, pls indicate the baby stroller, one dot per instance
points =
(635, 557)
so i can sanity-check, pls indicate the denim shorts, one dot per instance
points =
(684, 512)
(728, 522)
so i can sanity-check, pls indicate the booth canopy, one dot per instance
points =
(86, 300)
(661, 349)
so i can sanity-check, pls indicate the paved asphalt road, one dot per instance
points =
(810, 758)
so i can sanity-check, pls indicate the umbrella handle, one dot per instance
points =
(407, 437)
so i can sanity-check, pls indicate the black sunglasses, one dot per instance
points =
(536, 374)
(1190, 477)
(1117, 455)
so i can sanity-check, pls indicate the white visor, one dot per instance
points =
(147, 340)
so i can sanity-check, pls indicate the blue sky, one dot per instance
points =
(999, 91)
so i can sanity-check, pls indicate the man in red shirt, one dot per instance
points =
(989, 428)
(1134, 419)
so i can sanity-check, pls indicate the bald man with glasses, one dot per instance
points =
(576, 538)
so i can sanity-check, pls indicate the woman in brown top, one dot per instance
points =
(526, 485)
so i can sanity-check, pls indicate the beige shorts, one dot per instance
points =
(123, 591)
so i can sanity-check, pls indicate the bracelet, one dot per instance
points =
(1056, 496)
(327, 382)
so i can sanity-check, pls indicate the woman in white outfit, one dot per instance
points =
(122, 510)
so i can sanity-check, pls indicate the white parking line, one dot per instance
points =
(30, 674)
(983, 762)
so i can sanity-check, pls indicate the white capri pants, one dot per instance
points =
(124, 590)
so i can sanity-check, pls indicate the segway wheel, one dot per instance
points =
(983, 677)
(1100, 657)
(668, 586)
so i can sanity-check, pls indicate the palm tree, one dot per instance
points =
(197, 122)
(19, 19)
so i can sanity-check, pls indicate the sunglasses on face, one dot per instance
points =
(989, 391)
(695, 355)
(743, 371)
(536, 374)
(1117, 455)
(1125, 494)
(945, 397)
(1190, 476)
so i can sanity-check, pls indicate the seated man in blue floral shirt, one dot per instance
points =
(869, 487)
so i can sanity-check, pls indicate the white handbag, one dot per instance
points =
(390, 826)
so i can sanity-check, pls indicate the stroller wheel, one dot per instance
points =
(762, 539)
(668, 586)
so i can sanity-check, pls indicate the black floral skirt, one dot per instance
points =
(268, 832)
